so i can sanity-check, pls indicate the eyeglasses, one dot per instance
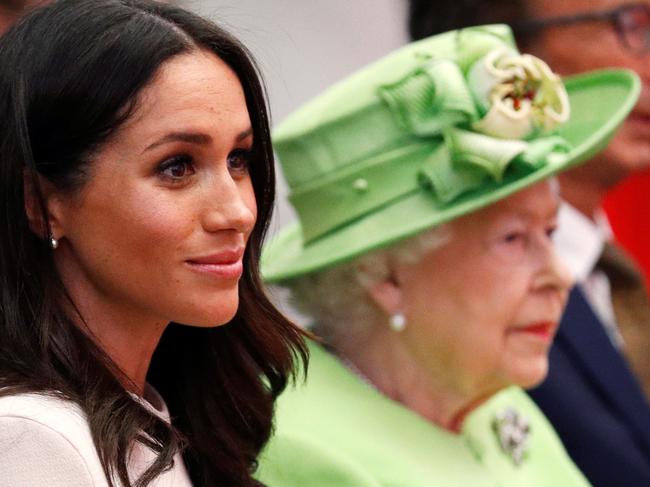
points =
(631, 22)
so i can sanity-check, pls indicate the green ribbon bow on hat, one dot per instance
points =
(435, 101)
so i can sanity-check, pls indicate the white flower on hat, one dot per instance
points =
(518, 93)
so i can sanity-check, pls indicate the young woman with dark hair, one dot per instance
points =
(136, 184)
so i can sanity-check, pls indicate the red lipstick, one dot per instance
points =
(541, 329)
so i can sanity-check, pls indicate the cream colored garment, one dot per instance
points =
(46, 442)
(580, 242)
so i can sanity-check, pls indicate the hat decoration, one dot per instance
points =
(518, 95)
(483, 120)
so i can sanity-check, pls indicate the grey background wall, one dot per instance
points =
(304, 46)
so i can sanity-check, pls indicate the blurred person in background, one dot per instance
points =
(596, 394)
(628, 208)
(424, 257)
(11, 10)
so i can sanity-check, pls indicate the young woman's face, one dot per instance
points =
(159, 230)
(483, 309)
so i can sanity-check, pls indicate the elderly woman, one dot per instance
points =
(424, 256)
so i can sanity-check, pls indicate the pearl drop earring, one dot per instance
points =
(54, 243)
(397, 322)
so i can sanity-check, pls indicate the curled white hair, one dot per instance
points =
(337, 300)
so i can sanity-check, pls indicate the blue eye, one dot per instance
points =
(177, 167)
(240, 160)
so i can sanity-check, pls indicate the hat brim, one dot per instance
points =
(600, 101)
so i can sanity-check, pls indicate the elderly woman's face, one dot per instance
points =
(160, 228)
(483, 309)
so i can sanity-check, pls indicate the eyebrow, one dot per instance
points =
(245, 134)
(192, 138)
(526, 213)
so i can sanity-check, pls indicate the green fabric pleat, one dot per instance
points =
(468, 159)
(431, 98)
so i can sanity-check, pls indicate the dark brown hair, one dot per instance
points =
(70, 75)
(427, 18)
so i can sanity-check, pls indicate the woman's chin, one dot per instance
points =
(530, 373)
(210, 316)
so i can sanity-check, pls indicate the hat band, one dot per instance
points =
(446, 166)
(373, 184)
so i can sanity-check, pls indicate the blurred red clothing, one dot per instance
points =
(628, 207)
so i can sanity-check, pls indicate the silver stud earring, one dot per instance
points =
(397, 322)
(54, 243)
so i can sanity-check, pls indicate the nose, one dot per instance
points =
(229, 204)
(554, 274)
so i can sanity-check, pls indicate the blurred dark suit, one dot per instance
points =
(595, 403)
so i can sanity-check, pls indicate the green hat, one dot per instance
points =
(438, 129)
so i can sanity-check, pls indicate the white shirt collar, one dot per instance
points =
(579, 241)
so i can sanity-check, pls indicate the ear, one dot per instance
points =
(387, 295)
(386, 292)
(40, 196)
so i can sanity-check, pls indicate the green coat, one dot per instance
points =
(337, 431)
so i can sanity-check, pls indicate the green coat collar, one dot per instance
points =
(336, 430)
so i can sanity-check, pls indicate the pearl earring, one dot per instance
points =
(54, 243)
(397, 322)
